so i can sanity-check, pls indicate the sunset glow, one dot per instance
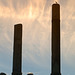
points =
(33, 12)
(56, 1)
(30, 12)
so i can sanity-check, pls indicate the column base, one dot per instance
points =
(55, 73)
(16, 73)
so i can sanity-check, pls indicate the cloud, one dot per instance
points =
(68, 30)
(36, 19)
(36, 42)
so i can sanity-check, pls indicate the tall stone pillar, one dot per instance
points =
(17, 50)
(55, 64)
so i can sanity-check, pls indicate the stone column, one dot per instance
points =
(55, 69)
(17, 50)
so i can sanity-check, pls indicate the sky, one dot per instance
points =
(35, 16)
